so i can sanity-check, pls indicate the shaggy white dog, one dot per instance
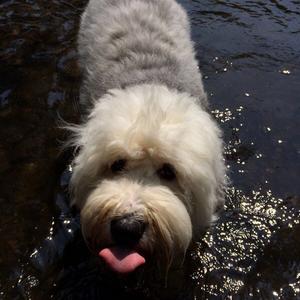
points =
(149, 173)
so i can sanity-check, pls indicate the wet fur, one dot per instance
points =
(145, 103)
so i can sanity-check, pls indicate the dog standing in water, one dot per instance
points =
(149, 174)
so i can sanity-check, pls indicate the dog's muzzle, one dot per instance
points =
(126, 232)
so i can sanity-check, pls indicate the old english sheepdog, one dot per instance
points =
(149, 172)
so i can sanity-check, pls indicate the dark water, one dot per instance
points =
(249, 52)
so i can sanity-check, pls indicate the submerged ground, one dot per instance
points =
(249, 53)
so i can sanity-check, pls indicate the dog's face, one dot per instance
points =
(148, 176)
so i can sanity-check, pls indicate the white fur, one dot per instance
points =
(146, 102)
(148, 125)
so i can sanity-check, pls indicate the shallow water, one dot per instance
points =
(249, 53)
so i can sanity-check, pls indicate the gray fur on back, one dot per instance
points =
(130, 42)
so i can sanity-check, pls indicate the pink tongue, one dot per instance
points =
(121, 260)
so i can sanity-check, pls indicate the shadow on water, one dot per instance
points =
(249, 52)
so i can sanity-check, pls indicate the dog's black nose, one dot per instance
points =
(127, 230)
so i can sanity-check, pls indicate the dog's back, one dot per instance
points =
(129, 42)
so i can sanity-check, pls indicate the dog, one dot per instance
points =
(149, 173)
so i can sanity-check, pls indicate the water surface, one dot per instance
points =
(249, 53)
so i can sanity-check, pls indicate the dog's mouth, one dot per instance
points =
(122, 260)
(125, 255)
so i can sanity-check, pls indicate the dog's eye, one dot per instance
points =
(118, 165)
(167, 172)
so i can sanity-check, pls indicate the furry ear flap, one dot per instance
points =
(81, 184)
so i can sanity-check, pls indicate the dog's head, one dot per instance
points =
(148, 177)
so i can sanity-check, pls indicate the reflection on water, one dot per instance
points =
(249, 52)
(235, 256)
